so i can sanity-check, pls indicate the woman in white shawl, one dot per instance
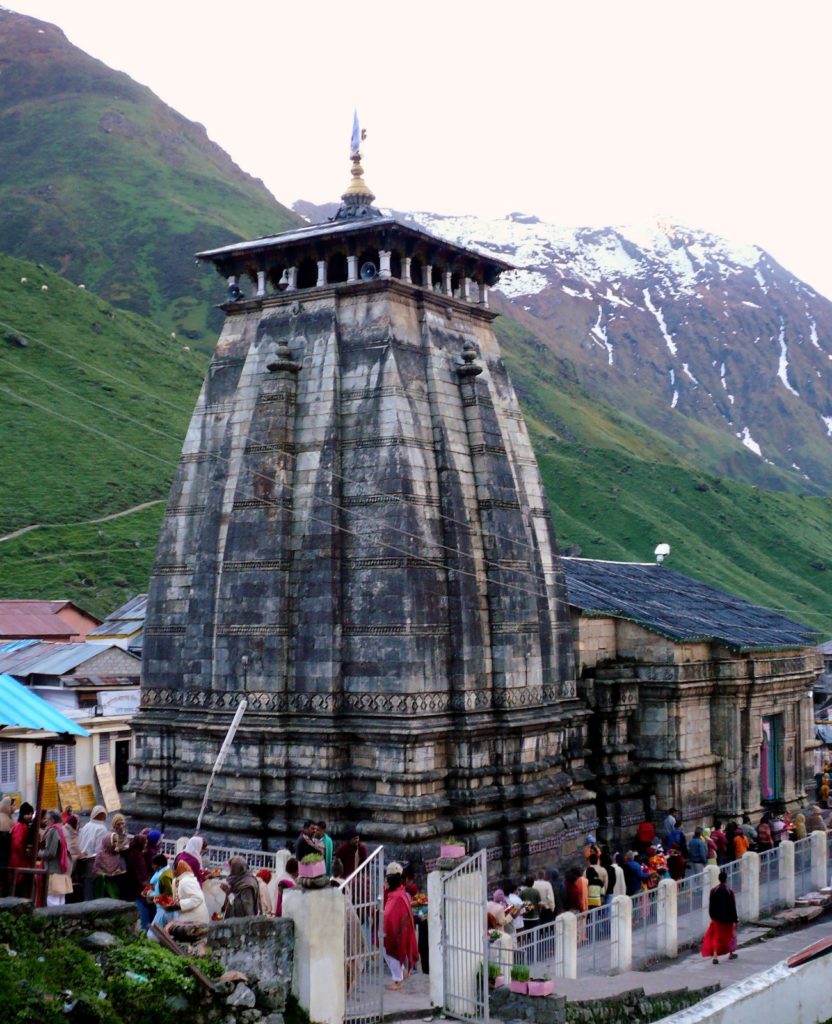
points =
(188, 899)
(193, 855)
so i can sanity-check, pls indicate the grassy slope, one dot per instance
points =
(616, 488)
(58, 470)
(104, 183)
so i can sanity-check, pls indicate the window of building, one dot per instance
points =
(104, 748)
(8, 766)
(64, 758)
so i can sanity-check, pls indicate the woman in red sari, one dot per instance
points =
(721, 936)
(20, 851)
(401, 950)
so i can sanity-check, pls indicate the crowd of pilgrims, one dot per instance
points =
(673, 854)
(103, 859)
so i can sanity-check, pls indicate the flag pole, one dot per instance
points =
(221, 756)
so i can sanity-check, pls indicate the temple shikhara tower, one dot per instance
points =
(357, 542)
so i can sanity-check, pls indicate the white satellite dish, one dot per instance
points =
(661, 552)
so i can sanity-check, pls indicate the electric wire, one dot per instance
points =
(423, 559)
(288, 486)
(528, 574)
(336, 476)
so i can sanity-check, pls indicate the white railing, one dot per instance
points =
(536, 945)
(364, 941)
(769, 881)
(829, 857)
(803, 866)
(595, 941)
(219, 856)
(691, 906)
(646, 937)
(465, 950)
(732, 870)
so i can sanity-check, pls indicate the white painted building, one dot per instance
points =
(94, 684)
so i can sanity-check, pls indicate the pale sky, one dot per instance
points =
(714, 115)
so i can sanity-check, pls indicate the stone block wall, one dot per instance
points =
(262, 948)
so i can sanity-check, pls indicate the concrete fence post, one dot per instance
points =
(318, 974)
(817, 844)
(667, 918)
(566, 937)
(437, 964)
(749, 908)
(621, 934)
(785, 865)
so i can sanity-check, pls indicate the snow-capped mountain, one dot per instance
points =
(716, 331)
(671, 323)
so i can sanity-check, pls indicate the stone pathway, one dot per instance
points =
(689, 970)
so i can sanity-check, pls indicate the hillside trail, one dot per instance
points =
(83, 522)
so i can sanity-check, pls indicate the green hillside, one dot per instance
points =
(105, 184)
(618, 488)
(96, 403)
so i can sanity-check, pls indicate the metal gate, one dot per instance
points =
(364, 941)
(465, 940)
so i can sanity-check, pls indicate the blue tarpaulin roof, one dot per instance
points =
(21, 708)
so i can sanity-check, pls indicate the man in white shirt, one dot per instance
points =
(547, 897)
(88, 839)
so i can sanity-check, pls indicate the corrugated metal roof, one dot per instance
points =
(34, 618)
(677, 606)
(124, 621)
(21, 708)
(42, 657)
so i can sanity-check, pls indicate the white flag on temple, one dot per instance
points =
(356, 134)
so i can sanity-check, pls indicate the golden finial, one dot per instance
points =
(358, 186)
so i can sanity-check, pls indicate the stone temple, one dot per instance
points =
(358, 543)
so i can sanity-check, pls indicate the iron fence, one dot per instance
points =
(537, 945)
(734, 879)
(595, 941)
(692, 897)
(829, 857)
(465, 950)
(219, 856)
(802, 866)
(770, 897)
(364, 941)
(645, 918)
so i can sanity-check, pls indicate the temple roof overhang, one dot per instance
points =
(322, 237)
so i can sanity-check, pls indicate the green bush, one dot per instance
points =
(59, 983)
(48, 979)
